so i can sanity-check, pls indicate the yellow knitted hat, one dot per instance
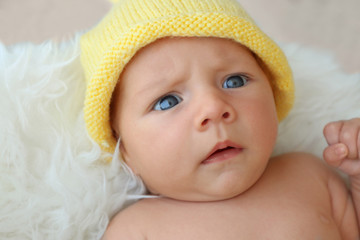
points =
(133, 24)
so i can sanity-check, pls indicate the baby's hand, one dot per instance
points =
(343, 151)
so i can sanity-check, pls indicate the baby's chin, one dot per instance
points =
(229, 185)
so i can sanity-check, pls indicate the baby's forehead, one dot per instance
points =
(171, 48)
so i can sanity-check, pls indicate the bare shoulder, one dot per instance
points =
(311, 165)
(307, 168)
(129, 223)
(298, 172)
(302, 164)
(300, 159)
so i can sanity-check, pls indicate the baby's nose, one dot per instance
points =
(213, 109)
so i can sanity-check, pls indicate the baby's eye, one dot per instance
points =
(235, 81)
(167, 102)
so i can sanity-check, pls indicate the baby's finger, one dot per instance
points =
(350, 166)
(332, 132)
(349, 135)
(335, 154)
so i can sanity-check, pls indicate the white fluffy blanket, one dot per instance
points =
(53, 180)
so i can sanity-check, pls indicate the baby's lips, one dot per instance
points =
(221, 146)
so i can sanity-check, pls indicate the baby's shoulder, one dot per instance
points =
(304, 171)
(127, 223)
(312, 174)
(134, 221)
(301, 162)
(298, 158)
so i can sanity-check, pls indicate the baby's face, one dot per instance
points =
(196, 117)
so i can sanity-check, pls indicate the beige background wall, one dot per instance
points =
(333, 25)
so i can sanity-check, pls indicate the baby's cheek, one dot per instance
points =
(265, 124)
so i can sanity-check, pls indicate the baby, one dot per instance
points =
(195, 90)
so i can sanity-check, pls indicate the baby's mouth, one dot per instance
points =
(222, 151)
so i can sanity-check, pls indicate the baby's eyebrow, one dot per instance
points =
(164, 83)
(154, 85)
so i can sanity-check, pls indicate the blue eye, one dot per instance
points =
(235, 81)
(167, 102)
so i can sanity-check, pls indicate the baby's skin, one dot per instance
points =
(198, 124)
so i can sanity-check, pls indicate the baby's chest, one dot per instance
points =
(275, 221)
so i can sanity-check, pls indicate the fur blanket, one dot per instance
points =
(53, 180)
